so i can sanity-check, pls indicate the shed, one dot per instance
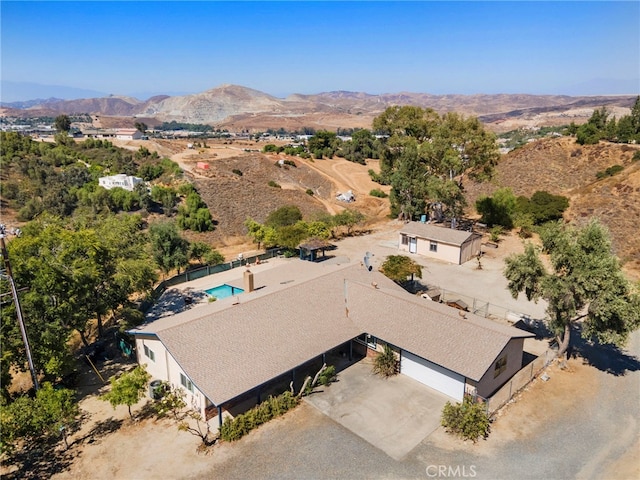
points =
(450, 245)
(202, 165)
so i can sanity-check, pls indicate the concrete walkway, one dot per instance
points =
(393, 414)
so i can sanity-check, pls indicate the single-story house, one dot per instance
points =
(448, 244)
(225, 352)
(128, 182)
(128, 134)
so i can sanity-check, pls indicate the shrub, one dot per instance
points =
(327, 376)
(636, 156)
(237, 172)
(385, 363)
(309, 192)
(495, 232)
(467, 420)
(274, 184)
(609, 172)
(376, 192)
(291, 163)
(234, 429)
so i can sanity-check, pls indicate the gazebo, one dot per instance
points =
(309, 249)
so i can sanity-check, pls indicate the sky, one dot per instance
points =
(280, 48)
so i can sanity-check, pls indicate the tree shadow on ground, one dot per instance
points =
(37, 460)
(100, 429)
(606, 358)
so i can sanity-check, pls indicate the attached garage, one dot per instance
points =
(432, 375)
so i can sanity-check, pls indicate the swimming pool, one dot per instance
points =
(223, 291)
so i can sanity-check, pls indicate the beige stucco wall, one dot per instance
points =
(488, 384)
(446, 252)
(166, 368)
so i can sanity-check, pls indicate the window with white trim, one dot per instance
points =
(433, 246)
(186, 383)
(149, 354)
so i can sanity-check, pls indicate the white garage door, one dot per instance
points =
(432, 375)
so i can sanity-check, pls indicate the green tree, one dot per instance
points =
(585, 284)
(141, 127)
(128, 388)
(399, 267)
(427, 155)
(170, 250)
(35, 419)
(498, 209)
(283, 216)
(62, 123)
(348, 218)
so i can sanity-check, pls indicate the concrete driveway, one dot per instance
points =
(393, 414)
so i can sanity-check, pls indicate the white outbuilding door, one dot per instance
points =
(432, 375)
(413, 244)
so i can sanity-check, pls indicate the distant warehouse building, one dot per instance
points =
(128, 134)
(127, 182)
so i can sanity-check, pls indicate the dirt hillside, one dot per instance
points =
(562, 167)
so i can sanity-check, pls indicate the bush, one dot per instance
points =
(376, 192)
(609, 172)
(467, 420)
(495, 232)
(237, 172)
(274, 184)
(234, 429)
(327, 376)
(385, 363)
(309, 192)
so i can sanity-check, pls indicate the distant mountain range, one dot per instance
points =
(247, 108)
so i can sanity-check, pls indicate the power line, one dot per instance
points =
(16, 301)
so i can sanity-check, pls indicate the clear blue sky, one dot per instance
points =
(310, 47)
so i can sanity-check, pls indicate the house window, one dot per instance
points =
(149, 354)
(405, 240)
(433, 246)
(501, 366)
(186, 383)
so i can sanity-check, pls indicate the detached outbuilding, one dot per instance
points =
(448, 244)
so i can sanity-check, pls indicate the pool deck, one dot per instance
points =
(190, 300)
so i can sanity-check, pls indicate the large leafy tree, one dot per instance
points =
(72, 275)
(400, 267)
(427, 155)
(170, 250)
(37, 418)
(584, 285)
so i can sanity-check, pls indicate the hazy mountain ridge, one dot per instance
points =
(237, 104)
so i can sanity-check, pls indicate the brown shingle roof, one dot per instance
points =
(431, 330)
(440, 234)
(233, 350)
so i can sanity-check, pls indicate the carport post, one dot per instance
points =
(350, 350)
(258, 395)
(293, 375)
(324, 358)
(219, 415)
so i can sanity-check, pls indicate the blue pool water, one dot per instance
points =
(224, 291)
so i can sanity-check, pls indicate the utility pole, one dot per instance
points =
(16, 301)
